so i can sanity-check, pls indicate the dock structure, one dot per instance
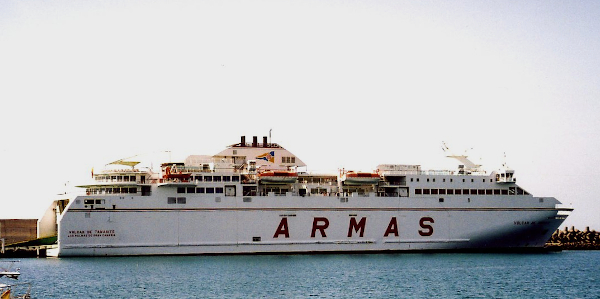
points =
(18, 237)
(18, 230)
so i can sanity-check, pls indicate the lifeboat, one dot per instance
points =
(361, 178)
(278, 177)
(175, 174)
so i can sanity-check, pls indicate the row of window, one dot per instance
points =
(93, 201)
(451, 180)
(509, 191)
(317, 180)
(176, 200)
(109, 190)
(115, 178)
(217, 178)
(419, 191)
(236, 178)
(288, 159)
(208, 190)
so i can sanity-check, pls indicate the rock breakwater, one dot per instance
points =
(574, 239)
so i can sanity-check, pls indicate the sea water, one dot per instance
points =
(567, 274)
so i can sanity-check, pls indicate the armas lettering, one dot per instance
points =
(320, 224)
(392, 228)
(427, 229)
(282, 229)
(354, 226)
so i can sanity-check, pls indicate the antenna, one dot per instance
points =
(504, 163)
(468, 164)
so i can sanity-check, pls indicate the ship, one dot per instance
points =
(258, 198)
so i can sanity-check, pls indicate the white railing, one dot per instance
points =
(430, 172)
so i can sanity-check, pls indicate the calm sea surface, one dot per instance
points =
(568, 274)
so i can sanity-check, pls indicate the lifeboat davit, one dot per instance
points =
(361, 178)
(278, 177)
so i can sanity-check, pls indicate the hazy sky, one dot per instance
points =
(342, 84)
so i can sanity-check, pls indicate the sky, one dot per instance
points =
(341, 84)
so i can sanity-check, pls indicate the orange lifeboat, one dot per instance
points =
(169, 174)
(280, 177)
(361, 178)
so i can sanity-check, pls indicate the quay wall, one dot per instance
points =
(14, 231)
(18, 230)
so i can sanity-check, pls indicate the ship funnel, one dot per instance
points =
(243, 141)
(265, 143)
(254, 141)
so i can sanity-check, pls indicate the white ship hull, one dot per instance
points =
(197, 209)
(238, 226)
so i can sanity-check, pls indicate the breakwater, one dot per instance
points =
(574, 239)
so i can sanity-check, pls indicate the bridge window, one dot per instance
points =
(288, 159)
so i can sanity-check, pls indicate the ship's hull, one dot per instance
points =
(303, 224)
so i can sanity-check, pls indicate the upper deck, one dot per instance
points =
(263, 168)
(268, 168)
